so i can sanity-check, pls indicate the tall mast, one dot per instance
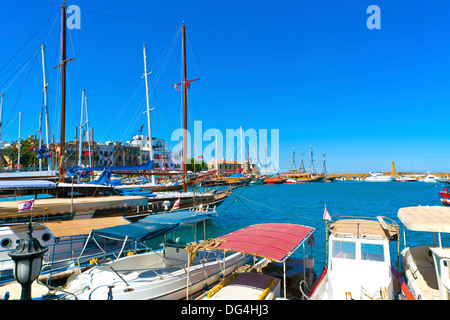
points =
(183, 29)
(1, 115)
(46, 113)
(293, 159)
(63, 92)
(242, 150)
(148, 111)
(324, 165)
(89, 139)
(311, 156)
(302, 165)
(20, 144)
(81, 128)
(40, 139)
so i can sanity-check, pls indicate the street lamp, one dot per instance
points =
(27, 257)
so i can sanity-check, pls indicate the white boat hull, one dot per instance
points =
(154, 283)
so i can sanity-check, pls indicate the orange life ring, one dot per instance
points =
(53, 154)
(52, 146)
(18, 166)
(91, 173)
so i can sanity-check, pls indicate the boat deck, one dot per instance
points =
(423, 272)
(14, 289)
(245, 286)
(63, 205)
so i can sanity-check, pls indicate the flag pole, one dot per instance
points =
(326, 239)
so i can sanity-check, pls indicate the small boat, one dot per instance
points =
(359, 262)
(432, 178)
(378, 177)
(445, 196)
(289, 181)
(171, 273)
(405, 179)
(274, 242)
(258, 180)
(274, 180)
(426, 267)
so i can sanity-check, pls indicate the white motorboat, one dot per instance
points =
(378, 177)
(432, 178)
(275, 242)
(167, 273)
(427, 267)
(359, 262)
(405, 179)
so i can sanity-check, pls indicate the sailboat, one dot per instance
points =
(301, 175)
(44, 150)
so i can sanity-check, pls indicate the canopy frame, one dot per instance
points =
(280, 226)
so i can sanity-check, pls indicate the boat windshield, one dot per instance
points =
(344, 249)
(363, 251)
(372, 252)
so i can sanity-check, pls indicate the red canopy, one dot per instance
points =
(274, 241)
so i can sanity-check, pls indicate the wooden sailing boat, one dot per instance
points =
(302, 176)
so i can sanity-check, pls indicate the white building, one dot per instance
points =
(164, 159)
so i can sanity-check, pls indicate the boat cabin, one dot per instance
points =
(359, 261)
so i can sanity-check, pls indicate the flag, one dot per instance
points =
(177, 87)
(311, 241)
(188, 84)
(26, 205)
(200, 157)
(177, 204)
(142, 127)
(326, 215)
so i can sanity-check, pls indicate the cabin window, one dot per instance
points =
(372, 252)
(344, 250)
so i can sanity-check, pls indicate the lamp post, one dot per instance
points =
(27, 257)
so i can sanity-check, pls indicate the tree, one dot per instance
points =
(27, 154)
(199, 166)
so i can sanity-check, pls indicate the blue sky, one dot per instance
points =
(313, 70)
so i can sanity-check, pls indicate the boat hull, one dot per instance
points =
(156, 283)
(445, 197)
(274, 181)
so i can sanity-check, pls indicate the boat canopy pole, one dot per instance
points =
(284, 278)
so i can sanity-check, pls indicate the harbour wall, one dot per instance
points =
(354, 176)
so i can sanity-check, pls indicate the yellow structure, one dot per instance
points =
(393, 173)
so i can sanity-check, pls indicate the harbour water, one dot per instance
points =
(304, 203)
